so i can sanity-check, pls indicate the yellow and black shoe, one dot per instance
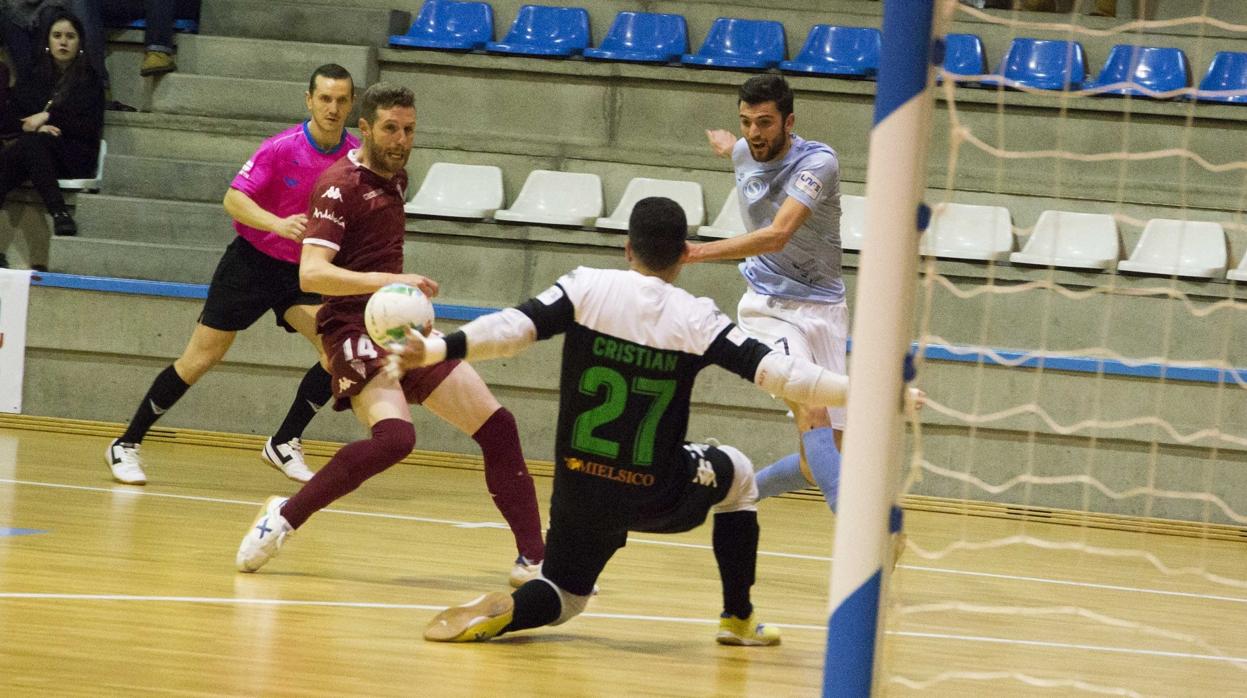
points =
(475, 621)
(157, 63)
(747, 632)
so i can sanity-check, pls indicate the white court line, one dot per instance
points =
(1070, 646)
(645, 541)
(609, 616)
(128, 492)
(228, 600)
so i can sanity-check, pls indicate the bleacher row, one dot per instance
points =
(744, 44)
(1064, 239)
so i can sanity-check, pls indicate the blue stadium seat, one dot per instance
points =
(545, 31)
(449, 26)
(1227, 72)
(964, 55)
(643, 37)
(1043, 64)
(1155, 69)
(741, 43)
(829, 50)
(182, 26)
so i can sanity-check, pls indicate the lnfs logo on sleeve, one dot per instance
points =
(809, 184)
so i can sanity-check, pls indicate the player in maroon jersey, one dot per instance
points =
(354, 246)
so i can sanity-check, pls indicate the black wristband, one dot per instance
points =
(456, 345)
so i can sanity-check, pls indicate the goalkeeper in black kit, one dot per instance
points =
(634, 345)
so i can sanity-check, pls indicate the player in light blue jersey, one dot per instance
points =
(789, 195)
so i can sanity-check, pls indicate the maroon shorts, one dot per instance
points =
(354, 359)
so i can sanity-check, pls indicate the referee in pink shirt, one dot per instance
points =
(259, 271)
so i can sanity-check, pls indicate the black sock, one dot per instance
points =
(736, 550)
(536, 604)
(166, 390)
(314, 391)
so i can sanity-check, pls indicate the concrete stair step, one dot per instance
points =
(154, 221)
(187, 137)
(288, 21)
(228, 97)
(231, 56)
(133, 260)
(168, 179)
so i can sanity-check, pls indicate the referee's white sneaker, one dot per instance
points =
(264, 538)
(123, 459)
(288, 458)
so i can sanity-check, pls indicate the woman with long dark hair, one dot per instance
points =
(61, 112)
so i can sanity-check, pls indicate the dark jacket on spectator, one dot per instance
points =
(75, 104)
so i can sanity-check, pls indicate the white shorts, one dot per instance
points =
(816, 332)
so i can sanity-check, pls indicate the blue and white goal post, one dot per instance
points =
(895, 216)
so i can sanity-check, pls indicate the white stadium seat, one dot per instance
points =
(852, 221)
(965, 231)
(458, 191)
(1239, 273)
(686, 194)
(1179, 248)
(1071, 240)
(90, 183)
(556, 198)
(729, 223)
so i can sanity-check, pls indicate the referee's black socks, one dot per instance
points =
(736, 550)
(166, 390)
(314, 391)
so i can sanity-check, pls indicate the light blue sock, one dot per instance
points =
(824, 459)
(784, 475)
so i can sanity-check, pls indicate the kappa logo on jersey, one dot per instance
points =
(332, 193)
(329, 216)
(705, 475)
(809, 184)
(344, 384)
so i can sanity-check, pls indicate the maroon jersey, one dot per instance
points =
(358, 214)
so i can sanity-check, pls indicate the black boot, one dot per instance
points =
(63, 223)
(4, 261)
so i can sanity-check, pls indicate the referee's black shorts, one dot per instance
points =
(248, 283)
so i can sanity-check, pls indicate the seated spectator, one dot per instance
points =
(159, 16)
(20, 21)
(60, 110)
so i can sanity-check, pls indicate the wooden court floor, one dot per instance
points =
(122, 591)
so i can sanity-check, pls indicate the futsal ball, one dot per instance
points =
(394, 308)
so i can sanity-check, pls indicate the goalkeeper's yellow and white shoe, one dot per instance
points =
(475, 621)
(747, 632)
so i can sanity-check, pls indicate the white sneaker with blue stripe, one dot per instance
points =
(265, 537)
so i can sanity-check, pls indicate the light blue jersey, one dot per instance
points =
(808, 268)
